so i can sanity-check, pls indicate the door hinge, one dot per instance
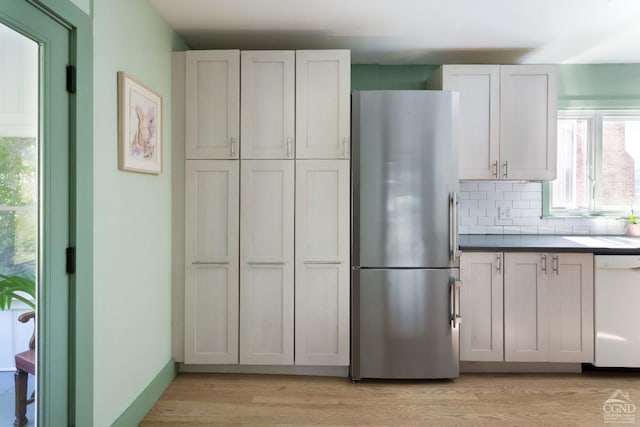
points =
(71, 260)
(71, 79)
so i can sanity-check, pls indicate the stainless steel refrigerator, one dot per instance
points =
(405, 278)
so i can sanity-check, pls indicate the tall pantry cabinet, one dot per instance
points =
(280, 192)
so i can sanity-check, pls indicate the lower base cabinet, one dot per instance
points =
(548, 307)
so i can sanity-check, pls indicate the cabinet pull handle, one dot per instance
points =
(210, 262)
(506, 169)
(322, 262)
(265, 262)
(494, 169)
(556, 265)
(233, 147)
(345, 147)
(499, 267)
(289, 147)
(544, 264)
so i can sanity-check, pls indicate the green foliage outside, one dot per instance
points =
(18, 219)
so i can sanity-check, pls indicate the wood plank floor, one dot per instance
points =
(472, 399)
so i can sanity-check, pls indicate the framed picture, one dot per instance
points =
(139, 126)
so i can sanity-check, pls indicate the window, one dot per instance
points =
(598, 163)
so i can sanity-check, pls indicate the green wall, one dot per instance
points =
(579, 85)
(604, 86)
(132, 215)
(385, 77)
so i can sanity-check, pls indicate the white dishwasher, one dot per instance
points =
(617, 311)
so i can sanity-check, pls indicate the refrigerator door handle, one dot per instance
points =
(454, 246)
(456, 318)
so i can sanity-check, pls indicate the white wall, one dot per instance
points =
(132, 214)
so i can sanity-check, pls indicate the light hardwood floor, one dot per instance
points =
(472, 399)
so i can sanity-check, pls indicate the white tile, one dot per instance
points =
(470, 204)
(525, 221)
(581, 229)
(486, 204)
(468, 186)
(464, 229)
(495, 195)
(477, 212)
(512, 195)
(495, 229)
(492, 212)
(531, 213)
(521, 186)
(531, 195)
(487, 186)
(529, 229)
(504, 204)
(521, 204)
(512, 229)
(504, 222)
(504, 186)
(545, 229)
(477, 229)
(463, 211)
(616, 227)
(478, 195)
(485, 220)
(599, 228)
(469, 220)
(463, 195)
(535, 203)
(563, 229)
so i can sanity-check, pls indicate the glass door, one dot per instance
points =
(34, 217)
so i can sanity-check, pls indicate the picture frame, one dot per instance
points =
(139, 126)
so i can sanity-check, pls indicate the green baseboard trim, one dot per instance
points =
(149, 396)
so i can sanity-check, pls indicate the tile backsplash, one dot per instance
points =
(480, 203)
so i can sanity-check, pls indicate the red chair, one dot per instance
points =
(25, 364)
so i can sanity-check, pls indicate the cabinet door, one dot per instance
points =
(211, 261)
(571, 308)
(481, 330)
(266, 258)
(213, 104)
(322, 262)
(267, 104)
(528, 112)
(526, 311)
(323, 86)
(479, 135)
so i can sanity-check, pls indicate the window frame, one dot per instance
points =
(595, 120)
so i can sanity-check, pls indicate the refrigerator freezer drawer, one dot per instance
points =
(402, 324)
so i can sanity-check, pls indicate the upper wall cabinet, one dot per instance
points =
(213, 104)
(528, 115)
(479, 136)
(323, 85)
(507, 119)
(267, 108)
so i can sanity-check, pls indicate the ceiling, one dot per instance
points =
(418, 31)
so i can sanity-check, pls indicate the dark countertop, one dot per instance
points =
(609, 245)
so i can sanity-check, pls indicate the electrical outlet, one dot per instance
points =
(504, 212)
